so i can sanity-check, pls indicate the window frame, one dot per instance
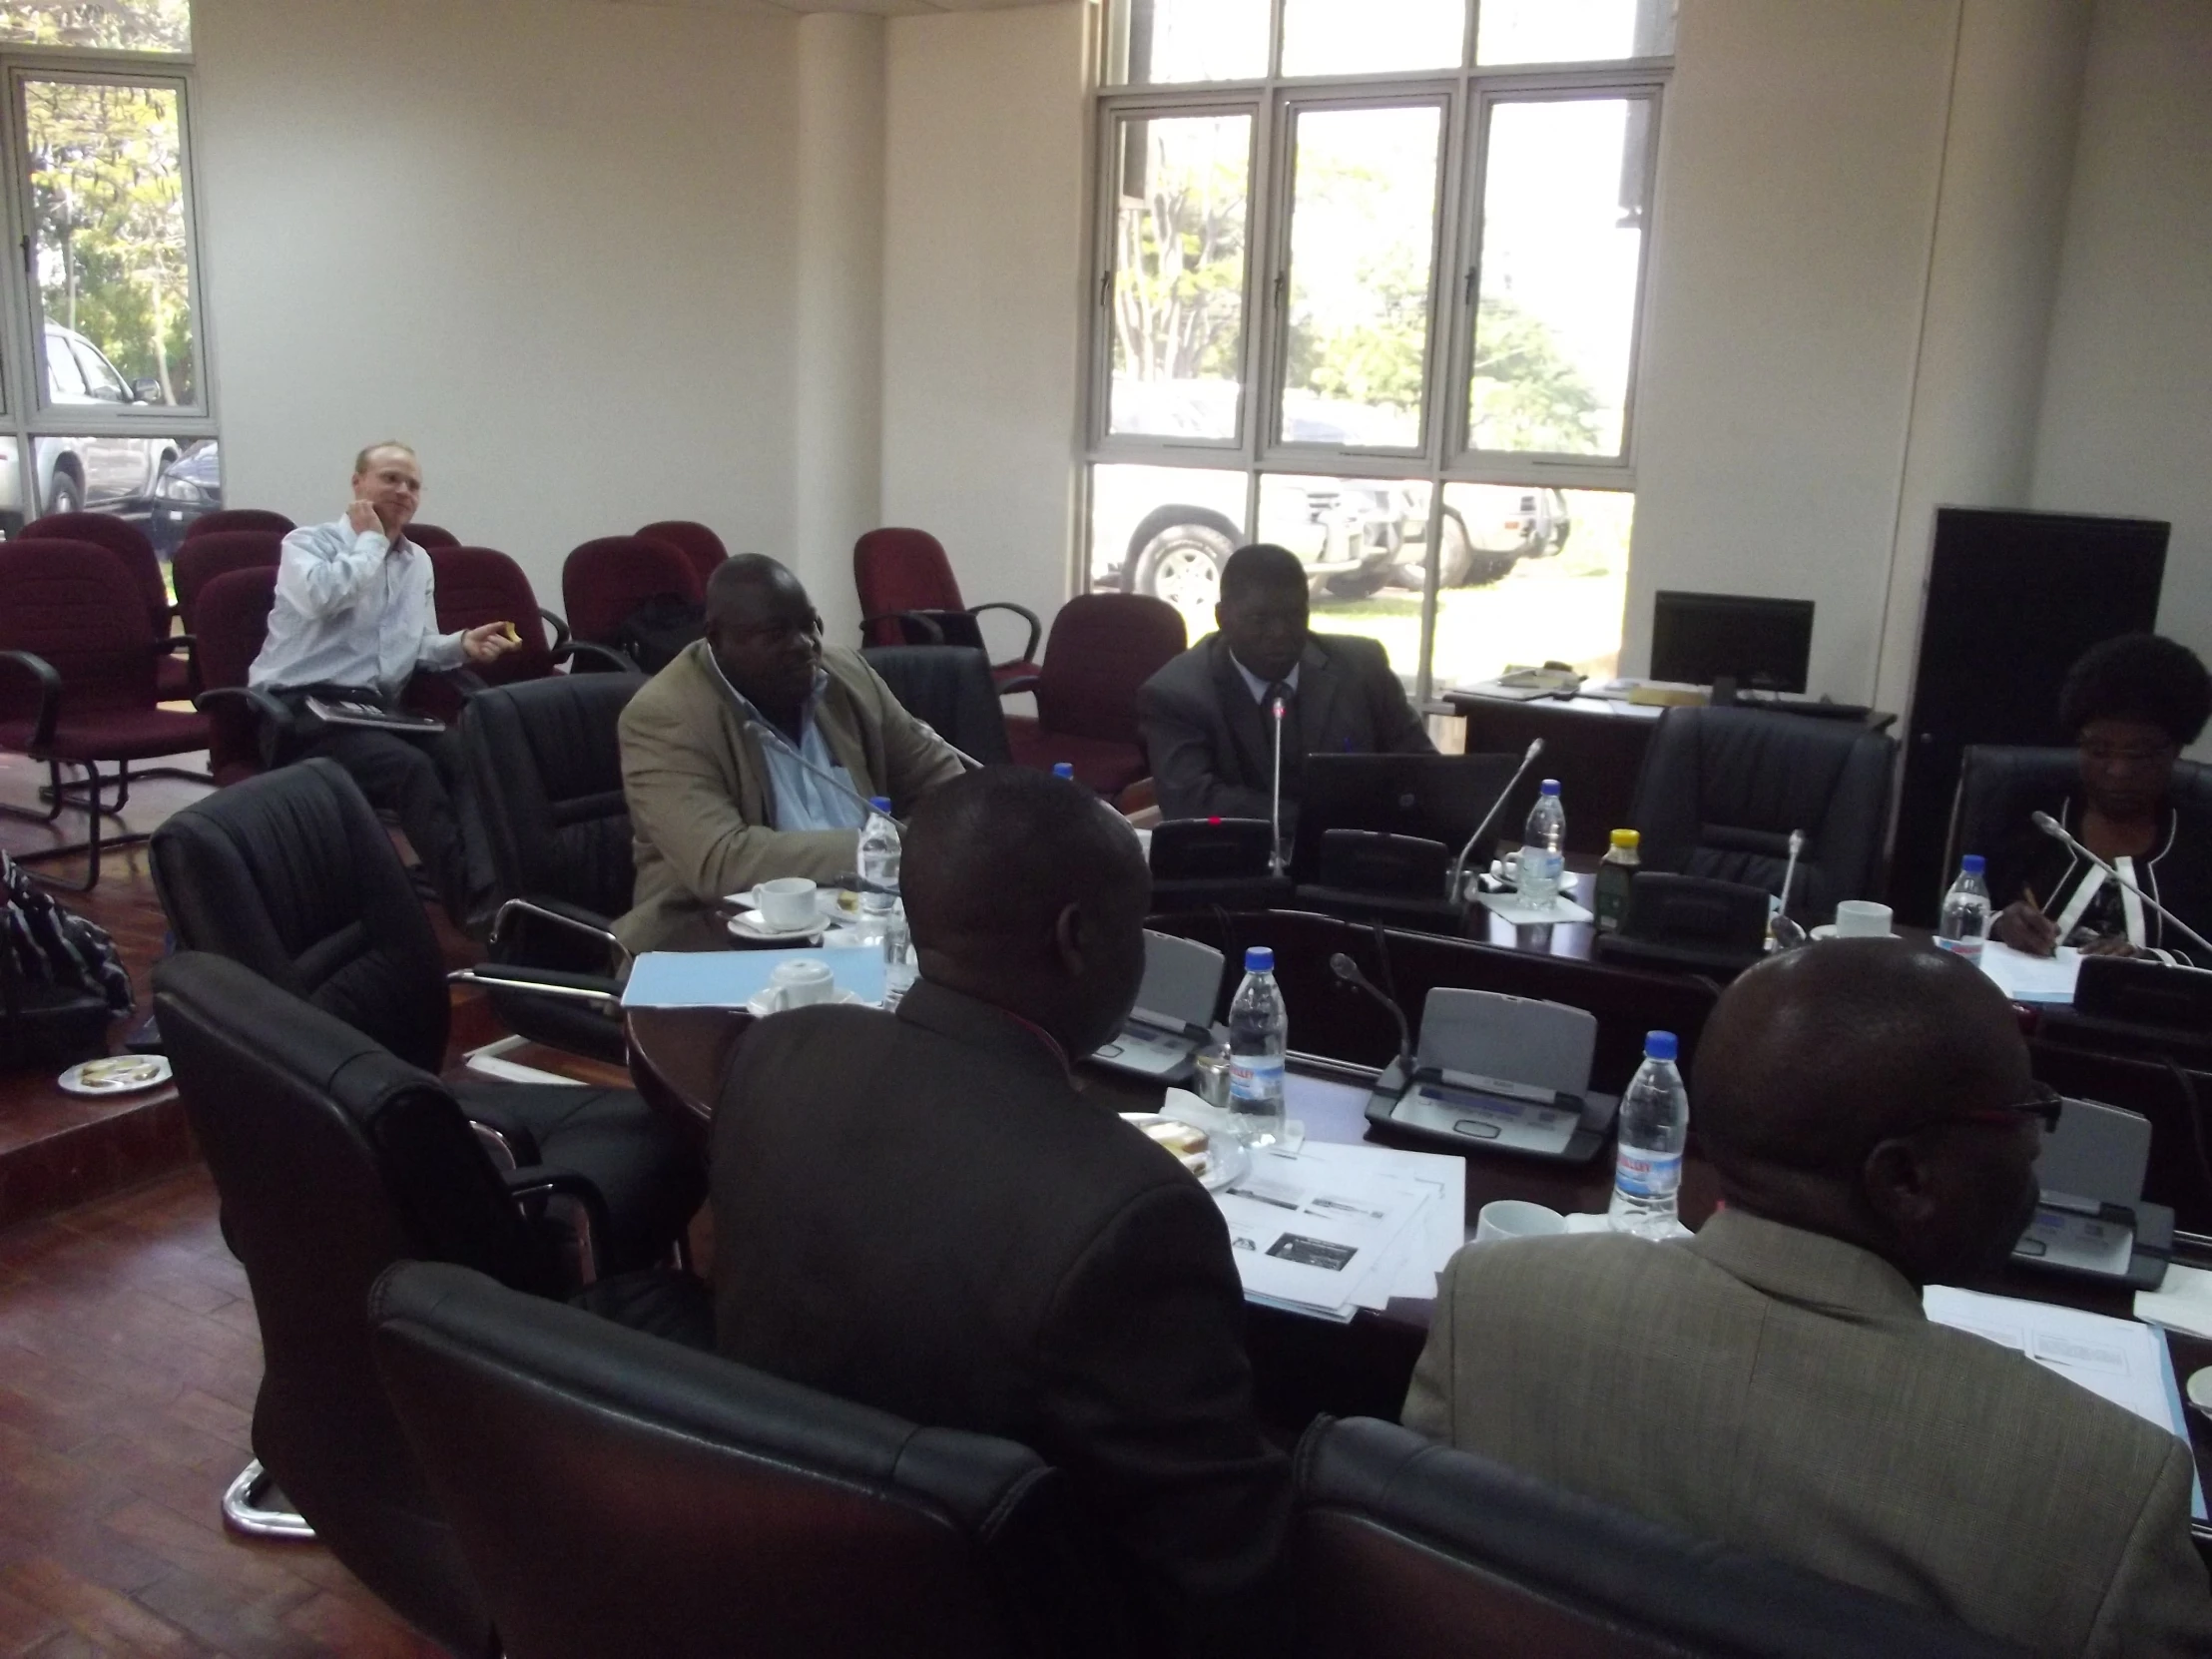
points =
(1442, 454)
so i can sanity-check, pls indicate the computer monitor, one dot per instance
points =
(1440, 798)
(1761, 644)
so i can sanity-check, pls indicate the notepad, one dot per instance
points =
(731, 979)
(2025, 978)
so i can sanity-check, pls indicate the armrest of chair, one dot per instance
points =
(905, 619)
(1036, 628)
(538, 1181)
(556, 910)
(606, 656)
(170, 643)
(1020, 683)
(49, 693)
(594, 988)
(270, 716)
(559, 624)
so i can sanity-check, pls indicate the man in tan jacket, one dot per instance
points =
(753, 755)
(1774, 1384)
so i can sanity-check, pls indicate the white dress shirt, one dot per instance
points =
(1260, 685)
(799, 796)
(352, 610)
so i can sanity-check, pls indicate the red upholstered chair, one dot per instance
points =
(238, 518)
(603, 581)
(77, 668)
(1103, 647)
(242, 725)
(476, 585)
(694, 540)
(431, 537)
(908, 596)
(201, 559)
(127, 542)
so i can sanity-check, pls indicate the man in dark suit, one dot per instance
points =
(1207, 715)
(920, 1211)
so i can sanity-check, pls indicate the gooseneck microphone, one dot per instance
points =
(1275, 794)
(1454, 892)
(1344, 969)
(2057, 832)
(767, 733)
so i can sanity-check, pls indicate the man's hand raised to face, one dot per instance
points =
(489, 643)
(363, 517)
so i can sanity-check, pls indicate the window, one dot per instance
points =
(1369, 278)
(103, 383)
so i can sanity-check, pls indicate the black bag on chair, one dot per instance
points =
(61, 980)
(655, 634)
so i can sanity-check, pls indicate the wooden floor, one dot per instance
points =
(129, 1358)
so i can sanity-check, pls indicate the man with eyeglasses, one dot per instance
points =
(2130, 706)
(753, 755)
(1773, 1382)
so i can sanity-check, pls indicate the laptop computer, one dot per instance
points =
(1437, 797)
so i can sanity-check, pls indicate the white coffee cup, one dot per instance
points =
(1514, 1218)
(786, 902)
(801, 984)
(1862, 918)
(2199, 1389)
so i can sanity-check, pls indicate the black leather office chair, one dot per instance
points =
(291, 875)
(615, 1493)
(1405, 1550)
(1722, 788)
(2001, 784)
(545, 757)
(949, 686)
(333, 1158)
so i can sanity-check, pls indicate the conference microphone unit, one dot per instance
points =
(2057, 832)
(1456, 894)
(769, 734)
(1344, 969)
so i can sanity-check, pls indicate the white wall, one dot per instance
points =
(983, 252)
(1801, 151)
(550, 243)
(2127, 404)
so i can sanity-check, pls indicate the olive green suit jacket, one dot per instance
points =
(1783, 1391)
(702, 811)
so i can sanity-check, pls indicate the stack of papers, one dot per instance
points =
(1330, 1229)
(2025, 978)
(2182, 1302)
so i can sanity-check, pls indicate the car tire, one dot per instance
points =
(1182, 565)
(1358, 584)
(65, 494)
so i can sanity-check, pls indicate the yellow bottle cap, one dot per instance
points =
(1627, 837)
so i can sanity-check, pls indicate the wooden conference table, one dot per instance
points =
(1304, 1365)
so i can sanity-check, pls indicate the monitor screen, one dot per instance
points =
(1761, 644)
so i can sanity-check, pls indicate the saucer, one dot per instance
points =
(1827, 930)
(835, 903)
(760, 1007)
(750, 926)
(118, 1074)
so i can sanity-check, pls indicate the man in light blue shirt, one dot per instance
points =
(353, 620)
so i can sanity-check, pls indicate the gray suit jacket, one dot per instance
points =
(702, 813)
(1782, 1391)
(1210, 752)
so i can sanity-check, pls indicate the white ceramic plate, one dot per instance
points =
(118, 1074)
(760, 1007)
(747, 925)
(1827, 930)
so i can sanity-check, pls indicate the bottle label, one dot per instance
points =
(1967, 945)
(1540, 864)
(1648, 1175)
(1256, 1078)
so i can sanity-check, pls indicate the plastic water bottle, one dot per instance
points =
(898, 958)
(1654, 1125)
(1963, 926)
(1258, 1034)
(1543, 849)
(878, 862)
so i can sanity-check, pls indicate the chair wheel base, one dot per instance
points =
(246, 1507)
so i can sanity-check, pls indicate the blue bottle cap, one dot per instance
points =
(882, 804)
(1550, 787)
(1659, 1045)
(1063, 769)
(1258, 959)
(1972, 863)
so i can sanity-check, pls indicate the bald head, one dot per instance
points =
(1028, 891)
(747, 580)
(763, 632)
(1862, 1088)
